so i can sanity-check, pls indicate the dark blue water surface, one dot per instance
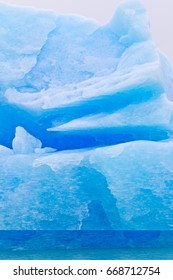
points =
(76, 245)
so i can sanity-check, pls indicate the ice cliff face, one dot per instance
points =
(86, 119)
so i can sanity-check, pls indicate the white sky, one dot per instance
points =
(160, 11)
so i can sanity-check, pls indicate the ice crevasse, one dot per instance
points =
(86, 117)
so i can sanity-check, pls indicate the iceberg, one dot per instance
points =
(86, 123)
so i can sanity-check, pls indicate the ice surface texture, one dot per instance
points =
(86, 118)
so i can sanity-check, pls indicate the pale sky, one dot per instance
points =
(160, 12)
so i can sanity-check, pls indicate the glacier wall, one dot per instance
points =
(93, 103)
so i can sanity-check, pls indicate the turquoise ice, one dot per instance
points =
(86, 119)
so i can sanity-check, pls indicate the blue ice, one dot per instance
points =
(86, 118)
